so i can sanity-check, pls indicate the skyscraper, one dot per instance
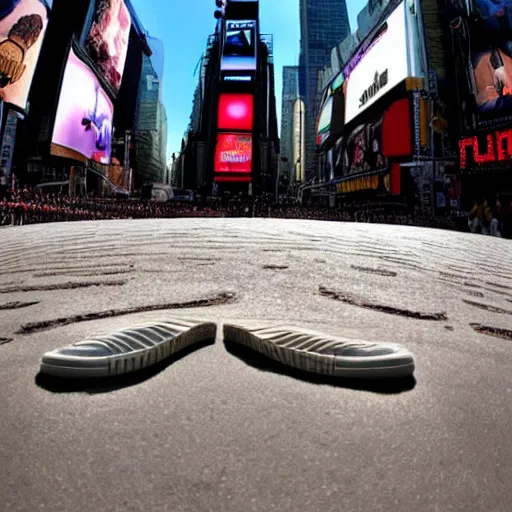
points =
(323, 24)
(290, 95)
(151, 126)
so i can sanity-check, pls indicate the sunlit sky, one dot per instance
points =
(184, 28)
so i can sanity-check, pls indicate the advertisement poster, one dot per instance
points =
(363, 150)
(107, 40)
(8, 142)
(22, 28)
(324, 122)
(239, 51)
(482, 44)
(233, 153)
(370, 75)
(83, 123)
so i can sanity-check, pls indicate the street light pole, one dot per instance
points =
(126, 164)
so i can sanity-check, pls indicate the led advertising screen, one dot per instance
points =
(233, 153)
(239, 51)
(324, 122)
(107, 40)
(83, 123)
(236, 112)
(22, 28)
(380, 69)
(363, 149)
(482, 45)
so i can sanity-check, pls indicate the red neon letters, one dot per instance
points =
(499, 148)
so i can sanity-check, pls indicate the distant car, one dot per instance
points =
(184, 195)
(162, 193)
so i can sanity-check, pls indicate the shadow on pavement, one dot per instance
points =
(260, 362)
(94, 386)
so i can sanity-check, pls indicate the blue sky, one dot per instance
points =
(184, 26)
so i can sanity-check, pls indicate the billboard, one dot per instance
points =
(324, 122)
(233, 153)
(240, 46)
(83, 123)
(107, 40)
(482, 45)
(377, 69)
(236, 112)
(363, 149)
(22, 27)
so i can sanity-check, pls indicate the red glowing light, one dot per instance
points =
(233, 153)
(499, 148)
(236, 112)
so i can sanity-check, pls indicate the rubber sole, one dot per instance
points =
(169, 342)
(296, 348)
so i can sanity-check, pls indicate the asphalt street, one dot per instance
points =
(223, 429)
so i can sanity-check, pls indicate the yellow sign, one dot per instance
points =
(358, 184)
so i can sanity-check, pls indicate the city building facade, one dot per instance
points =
(323, 24)
(289, 97)
(232, 143)
(383, 128)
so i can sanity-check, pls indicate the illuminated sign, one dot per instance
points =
(480, 33)
(498, 148)
(240, 46)
(384, 65)
(238, 78)
(358, 184)
(233, 153)
(235, 112)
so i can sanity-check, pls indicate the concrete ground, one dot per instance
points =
(225, 430)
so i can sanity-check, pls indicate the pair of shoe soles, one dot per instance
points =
(142, 346)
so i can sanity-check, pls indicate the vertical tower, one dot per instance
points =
(290, 95)
(323, 24)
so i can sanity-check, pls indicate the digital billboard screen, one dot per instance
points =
(363, 149)
(107, 40)
(482, 45)
(240, 46)
(83, 123)
(233, 153)
(236, 112)
(370, 75)
(22, 28)
(324, 122)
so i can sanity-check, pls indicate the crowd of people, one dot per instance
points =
(33, 206)
(491, 218)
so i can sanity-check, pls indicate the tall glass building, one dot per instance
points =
(150, 135)
(323, 24)
(290, 95)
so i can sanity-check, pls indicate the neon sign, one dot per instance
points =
(499, 148)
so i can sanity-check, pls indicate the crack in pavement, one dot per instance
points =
(486, 307)
(81, 268)
(506, 287)
(61, 286)
(217, 300)
(82, 273)
(503, 334)
(359, 302)
(275, 267)
(17, 305)
(378, 271)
